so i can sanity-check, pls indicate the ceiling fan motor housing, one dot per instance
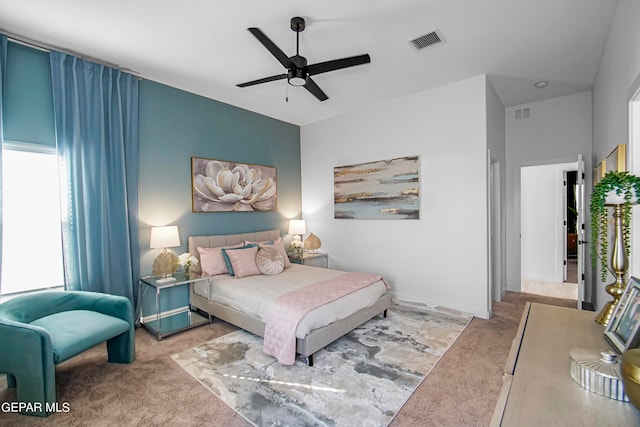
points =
(297, 75)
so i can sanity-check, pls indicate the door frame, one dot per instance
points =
(560, 239)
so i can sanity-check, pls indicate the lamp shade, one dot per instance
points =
(164, 237)
(297, 226)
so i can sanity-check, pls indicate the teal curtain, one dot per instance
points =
(96, 119)
(3, 80)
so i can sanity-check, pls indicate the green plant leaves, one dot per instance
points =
(624, 184)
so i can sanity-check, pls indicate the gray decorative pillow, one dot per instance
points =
(269, 261)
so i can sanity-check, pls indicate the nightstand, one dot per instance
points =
(166, 322)
(317, 259)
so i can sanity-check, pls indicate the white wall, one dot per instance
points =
(442, 257)
(619, 68)
(542, 228)
(557, 131)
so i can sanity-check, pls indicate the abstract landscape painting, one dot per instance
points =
(219, 186)
(386, 189)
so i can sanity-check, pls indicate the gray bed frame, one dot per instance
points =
(315, 340)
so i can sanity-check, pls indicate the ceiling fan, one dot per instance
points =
(298, 72)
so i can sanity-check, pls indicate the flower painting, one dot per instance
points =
(386, 189)
(219, 186)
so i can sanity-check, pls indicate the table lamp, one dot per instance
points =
(297, 227)
(166, 263)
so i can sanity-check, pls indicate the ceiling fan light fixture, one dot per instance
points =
(297, 77)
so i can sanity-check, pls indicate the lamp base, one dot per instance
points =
(604, 317)
(619, 266)
(615, 290)
(296, 244)
(165, 264)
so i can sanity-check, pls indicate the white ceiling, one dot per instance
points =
(202, 46)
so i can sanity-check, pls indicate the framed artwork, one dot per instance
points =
(616, 161)
(599, 172)
(222, 186)
(622, 330)
(385, 189)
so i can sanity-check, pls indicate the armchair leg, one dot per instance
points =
(122, 349)
(11, 381)
(37, 392)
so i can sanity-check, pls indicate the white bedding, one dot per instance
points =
(252, 295)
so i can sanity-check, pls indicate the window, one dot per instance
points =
(31, 233)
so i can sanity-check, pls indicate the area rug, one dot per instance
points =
(361, 379)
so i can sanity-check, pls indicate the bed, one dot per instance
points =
(231, 299)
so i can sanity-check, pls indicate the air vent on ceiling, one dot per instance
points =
(427, 41)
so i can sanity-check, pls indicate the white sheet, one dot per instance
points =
(252, 295)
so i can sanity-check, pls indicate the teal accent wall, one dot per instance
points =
(174, 126)
(29, 98)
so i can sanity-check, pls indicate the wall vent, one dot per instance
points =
(427, 41)
(523, 113)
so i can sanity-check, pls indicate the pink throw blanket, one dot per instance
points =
(286, 311)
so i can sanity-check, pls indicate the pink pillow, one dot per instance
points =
(212, 262)
(243, 261)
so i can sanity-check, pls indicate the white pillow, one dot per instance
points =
(269, 261)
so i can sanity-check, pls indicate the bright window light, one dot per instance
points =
(31, 231)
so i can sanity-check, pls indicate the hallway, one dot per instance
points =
(567, 290)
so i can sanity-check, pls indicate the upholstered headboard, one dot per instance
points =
(196, 242)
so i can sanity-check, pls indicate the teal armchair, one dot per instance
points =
(41, 330)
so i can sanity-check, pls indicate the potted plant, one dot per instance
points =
(616, 188)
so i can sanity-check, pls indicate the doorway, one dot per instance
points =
(571, 226)
(549, 251)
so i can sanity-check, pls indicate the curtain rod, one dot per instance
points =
(42, 47)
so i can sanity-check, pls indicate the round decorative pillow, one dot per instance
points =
(269, 261)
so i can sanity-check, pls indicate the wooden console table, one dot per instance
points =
(538, 389)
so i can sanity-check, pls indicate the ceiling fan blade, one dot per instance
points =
(312, 87)
(271, 47)
(265, 80)
(337, 64)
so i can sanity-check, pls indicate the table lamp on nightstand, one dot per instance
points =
(297, 227)
(166, 263)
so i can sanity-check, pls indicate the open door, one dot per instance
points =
(494, 232)
(581, 230)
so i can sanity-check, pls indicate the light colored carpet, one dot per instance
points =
(361, 379)
(461, 390)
